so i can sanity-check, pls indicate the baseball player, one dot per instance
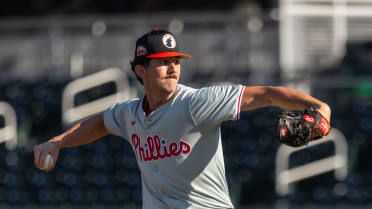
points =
(174, 130)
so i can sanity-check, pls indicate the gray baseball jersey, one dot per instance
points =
(178, 146)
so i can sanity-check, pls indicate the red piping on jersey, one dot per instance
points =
(239, 101)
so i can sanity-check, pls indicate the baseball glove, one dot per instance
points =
(298, 128)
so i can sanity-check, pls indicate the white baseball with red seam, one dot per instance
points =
(48, 163)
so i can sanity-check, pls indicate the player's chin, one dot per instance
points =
(170, 85)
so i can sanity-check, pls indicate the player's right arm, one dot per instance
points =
(85, 132)
(262, 96)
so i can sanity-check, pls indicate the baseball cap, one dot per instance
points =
(157, 44)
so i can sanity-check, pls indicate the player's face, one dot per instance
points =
(164, 73)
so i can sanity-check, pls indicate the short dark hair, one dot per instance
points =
(143, 61)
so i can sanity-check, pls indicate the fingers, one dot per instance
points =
(43, 157)
(37, 155)
(40, 153)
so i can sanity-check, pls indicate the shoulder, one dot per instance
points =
(182, 89)
(184, 92)
(206, 93)
(219, 90)
(129, 104)
(189, 91)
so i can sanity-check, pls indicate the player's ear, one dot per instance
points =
(140, 71)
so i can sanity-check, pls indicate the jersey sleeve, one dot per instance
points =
(216, 104)
(114, 120)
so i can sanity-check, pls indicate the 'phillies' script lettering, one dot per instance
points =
(162, 150)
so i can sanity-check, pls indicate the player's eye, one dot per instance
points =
(176, 62)
(164, 62)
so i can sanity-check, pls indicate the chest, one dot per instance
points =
(166, 134)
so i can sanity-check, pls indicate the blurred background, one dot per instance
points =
(61, 61)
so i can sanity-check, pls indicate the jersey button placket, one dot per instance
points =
(146, 122)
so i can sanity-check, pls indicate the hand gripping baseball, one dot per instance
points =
(296, 128)
(46, 155)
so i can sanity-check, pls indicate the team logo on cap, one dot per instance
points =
(141, 50)
(169, 41)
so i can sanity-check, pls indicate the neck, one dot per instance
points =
(156, 99)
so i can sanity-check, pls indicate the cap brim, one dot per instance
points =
(168, 54)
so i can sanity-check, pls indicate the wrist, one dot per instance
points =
(57, 142)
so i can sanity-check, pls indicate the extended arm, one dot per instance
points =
(262, 96)
(82, 133)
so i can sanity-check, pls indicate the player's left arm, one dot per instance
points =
(263, 96)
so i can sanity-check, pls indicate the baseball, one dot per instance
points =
(48, 162)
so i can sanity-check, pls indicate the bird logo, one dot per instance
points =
(169, 41)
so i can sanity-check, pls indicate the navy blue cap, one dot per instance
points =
(157, 44)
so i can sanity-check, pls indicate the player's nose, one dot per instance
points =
(171, 68)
